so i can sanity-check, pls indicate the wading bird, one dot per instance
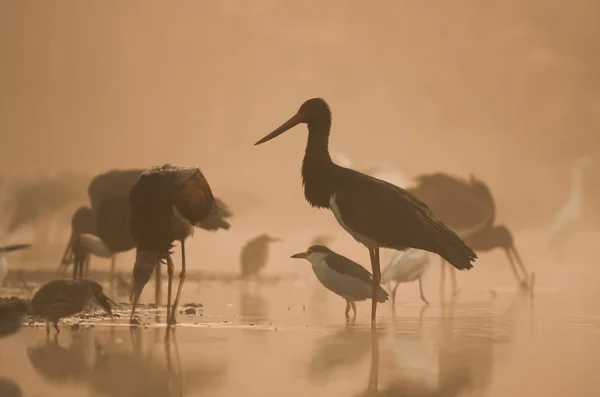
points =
(404, 267)
(255, 254)
(468, 208)
(342, 276)
(4, 262)
(166, 203)
(571, 211)
(376, 213)
(62, 298)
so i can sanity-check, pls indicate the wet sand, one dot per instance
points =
(288, 337)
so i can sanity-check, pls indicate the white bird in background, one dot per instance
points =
(3, 261)
(404, 267)
(571, 212)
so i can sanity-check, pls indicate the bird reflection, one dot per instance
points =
(253, 307)
(58, 364)
(8, 388)
(462, 360)
(343, 348)
(118, 372)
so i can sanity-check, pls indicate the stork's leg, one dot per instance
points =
(157, 285)
(68, 251)
(526, 276)
(170, 268)
(442, 279)
(181, 281)
(75, 266)
(514, 268)
(374, 252)
(55, 323)
(421, 292)
(353, 307)
(47, 329)
(113, 262)
(347, 309)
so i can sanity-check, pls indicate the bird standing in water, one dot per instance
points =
(62, 298)
(374, 212)
(166, 203)
(404, 267)
(342, 276)
(255, 254)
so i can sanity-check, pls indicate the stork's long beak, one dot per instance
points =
(301, 255)
(295, 120)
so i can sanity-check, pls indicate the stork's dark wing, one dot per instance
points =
(113, 182)
(193, 197)
(395, 219)
(344, 265)
(113, 215)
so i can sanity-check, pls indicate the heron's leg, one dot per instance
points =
(526, 275)
(86, 265)
(453, 277)
(347, 309)
(394, 296)
(181, 281)
(514, 268)
(157, 284)
(353, 307)
(374, 252)
(421, 292)
(170, 268)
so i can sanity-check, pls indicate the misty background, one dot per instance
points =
(508, 92)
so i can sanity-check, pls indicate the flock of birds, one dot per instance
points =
(150, 210)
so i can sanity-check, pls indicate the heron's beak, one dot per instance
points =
(295, 120)
(276, 239)
(106, 303)
(301, 255)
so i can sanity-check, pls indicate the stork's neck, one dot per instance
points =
(317, 165)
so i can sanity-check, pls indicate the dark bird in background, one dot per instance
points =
(255, 254)
(322, 239)
(376, 213)
(166, 203)
(62, 298)
(4, 262)
(8, 388)
(468, 208)
(342, 276)
(11, 314)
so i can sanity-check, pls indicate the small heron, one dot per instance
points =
(342, 276)
(375, 213)
(406, 266)
(4, 262)
(62, 298)
(255, 254)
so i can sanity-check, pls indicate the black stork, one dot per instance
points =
(166, 203)
(376, 213)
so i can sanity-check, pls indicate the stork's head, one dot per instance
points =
(314, 254)
(312, 112)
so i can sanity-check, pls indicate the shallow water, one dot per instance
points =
(290, 338)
